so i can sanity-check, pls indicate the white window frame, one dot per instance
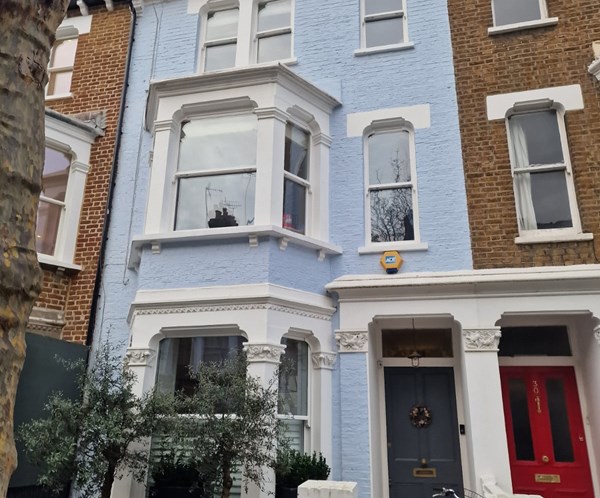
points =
(390, 126)
(301, 181)
(306, 419)
(62, 34)
(258, 35)
(247, 35)
(525, 235)
(75, 141)
(544, 20)
(380, 16)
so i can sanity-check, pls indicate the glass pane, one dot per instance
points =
(293, 378)
(550, 199)
(63, 53)
(56, 174)
(274, 48)
(392, 215)
(218, 143)
(512, 11)
(222, 24)
(48, 219)
(517, 393)
(379, 6)
(536, 139)
(559, 421)
(429, 343)
(220, 57)
(384, 32)
(389, 158)
(296, 151)
(534, 341)
(59, 83)
(294, 206)
(175, 357)
(274, 15)
(215, 201)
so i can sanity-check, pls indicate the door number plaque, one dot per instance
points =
(421, 472)
(548, 478)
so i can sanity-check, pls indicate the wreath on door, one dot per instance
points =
(420, 416)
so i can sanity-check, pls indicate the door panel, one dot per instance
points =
(546, 440)
(430, 450)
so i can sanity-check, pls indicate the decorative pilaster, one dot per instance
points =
(139, 357)
(352, 341)
(263, 352)
(481, 339)
(323, 360)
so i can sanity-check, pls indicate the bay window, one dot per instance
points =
(296, 175)
(391, 188)
(216, 172)
(293, 391)
(542, 176)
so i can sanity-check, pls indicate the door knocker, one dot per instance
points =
(420, 416)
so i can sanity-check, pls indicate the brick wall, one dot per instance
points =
(536, 58)
(97, 83)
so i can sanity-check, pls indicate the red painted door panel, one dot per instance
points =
(546, 441)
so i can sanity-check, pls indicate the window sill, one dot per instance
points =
(393, 246)
(595, 69)
(518, 26)
(52, 262)
(285, 237)
(383, 49)
(59, 97)
(543, 238)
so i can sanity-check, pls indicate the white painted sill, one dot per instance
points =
(384, 48)
(393, 246)
(518, 26)
(553, 237)
(59, 97)
(252, 233)
(44, 259)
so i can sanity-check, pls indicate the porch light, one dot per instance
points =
(414, 358)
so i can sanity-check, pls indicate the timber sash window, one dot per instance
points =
(518, 11)
(543, 181)
(295, 184)
(220, 43)
(383, 23)
(60, 68)
(274, 31)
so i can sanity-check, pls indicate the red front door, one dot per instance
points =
(546, 441)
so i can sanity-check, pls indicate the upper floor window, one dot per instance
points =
(296, 185)
(216, 173)
(55, 177)
(543, 180)
(274, 30)
(60, 67)
(518, 11)
(391, 186)
(220, 41)
(383, 23)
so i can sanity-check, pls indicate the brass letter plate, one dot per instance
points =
(553, 478)
(420, 472)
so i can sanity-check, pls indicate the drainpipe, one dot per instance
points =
(113, 174)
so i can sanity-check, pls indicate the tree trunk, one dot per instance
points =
(27, 30)
(227, 481)
(109, 479)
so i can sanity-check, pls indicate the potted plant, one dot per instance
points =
(293, 468)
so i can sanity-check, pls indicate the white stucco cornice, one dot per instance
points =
(579, 279)
(237, 78)
(232, 298)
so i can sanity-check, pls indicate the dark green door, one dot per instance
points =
(422, 431)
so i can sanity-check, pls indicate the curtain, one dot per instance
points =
(522, 180)
(167, 365)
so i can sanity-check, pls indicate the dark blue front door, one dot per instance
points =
(422, 431)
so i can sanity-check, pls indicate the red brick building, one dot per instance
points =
(527, 80)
